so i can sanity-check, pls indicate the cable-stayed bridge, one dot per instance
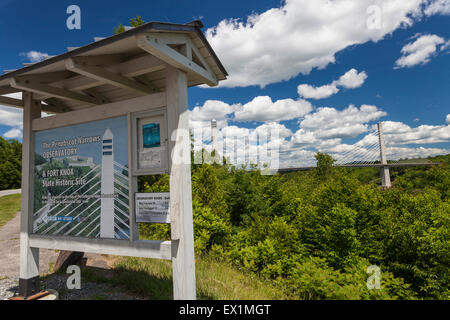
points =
(368, 152)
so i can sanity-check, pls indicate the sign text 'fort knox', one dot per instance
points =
(81, 180)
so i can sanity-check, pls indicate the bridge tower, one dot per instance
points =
(385, 176)
(107, 185)
(215, 141)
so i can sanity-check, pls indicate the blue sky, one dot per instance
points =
(289, 56)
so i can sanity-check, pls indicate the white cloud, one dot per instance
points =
(299, 36)
(352, 79)
(326, 118)
(262, 108)
(211, 109)
(35, 56)
(14, 133)
(310, 92)
(420, 51)
(447, 119)
(445, 46)
(10, 116)
(201, 116)
(438, 7)
(398, 133)
(396, 153)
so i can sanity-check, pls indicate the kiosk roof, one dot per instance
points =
(117, 68)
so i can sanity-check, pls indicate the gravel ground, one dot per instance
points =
(88, 291)
(7, 288)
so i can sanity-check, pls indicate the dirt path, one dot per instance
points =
(9, 270)
(8, 192)
(10, 249)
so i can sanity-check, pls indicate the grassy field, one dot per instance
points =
(9, 206)
(152, 279)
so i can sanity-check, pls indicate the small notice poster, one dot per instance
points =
(150, 152)
(153, 207)
(151, 135)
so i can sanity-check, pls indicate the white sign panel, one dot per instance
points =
(153, 207)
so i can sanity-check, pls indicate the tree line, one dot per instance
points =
(10, 164)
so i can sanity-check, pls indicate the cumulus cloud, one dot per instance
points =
(325, 119)
(398, 133)
(299, 36)
(35, 56)
(396, 153)
(420, 51)
(201, 116)
(350, 80)
(10, 116)
(15, 133)
(441, 7)
(447, 119)
(310, 92)
(262, 108)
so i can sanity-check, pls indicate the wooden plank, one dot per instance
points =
(105, 111)
(174, 58)
(106, 76)
(183, 260)
(131, 68)
(52, 91)
(47, 76)
(143, 248)
(101, 60)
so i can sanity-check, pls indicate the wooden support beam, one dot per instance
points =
(131, 68)
(17, 103)
(29, 255)
(94, 93)
(105, 76)
(174, 58)
(8, 90)
(11, 102)
(142, 248)
(182, 231)
(55, 105)
(52, 91)
(48, 77)
(101, 112)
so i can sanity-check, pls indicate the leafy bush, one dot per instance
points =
(314, 234)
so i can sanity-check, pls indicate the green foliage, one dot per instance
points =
(313, 234)
(134, 22)
(10, 164)
(324, 165)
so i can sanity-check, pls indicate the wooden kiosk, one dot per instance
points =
(133, 87)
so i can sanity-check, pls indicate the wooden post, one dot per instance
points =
(385, 176)
(29, 257)
(183, 259)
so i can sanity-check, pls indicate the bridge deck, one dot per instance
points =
(374, 165)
